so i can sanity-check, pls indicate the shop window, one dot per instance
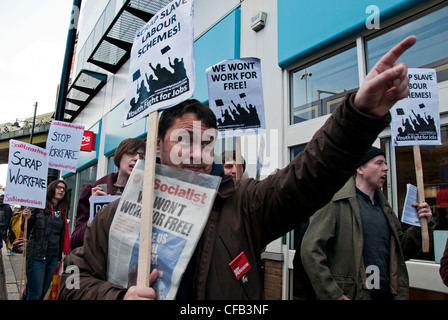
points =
(317, 89)
(432, 41)
(75, 183)
(71, 187)
(111, 167)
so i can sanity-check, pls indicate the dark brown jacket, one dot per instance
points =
(249, 215)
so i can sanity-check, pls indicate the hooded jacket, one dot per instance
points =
(248, 215)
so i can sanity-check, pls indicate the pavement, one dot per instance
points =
(11, 275)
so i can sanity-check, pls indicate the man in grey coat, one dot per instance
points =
(354, 247)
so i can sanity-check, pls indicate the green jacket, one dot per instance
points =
(332, 249)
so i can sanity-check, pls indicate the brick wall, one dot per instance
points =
(273, 279)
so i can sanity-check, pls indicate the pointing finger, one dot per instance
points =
(392, 56)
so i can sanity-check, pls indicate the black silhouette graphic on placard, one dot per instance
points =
(162, 84)
(416, 126)
(237, 116)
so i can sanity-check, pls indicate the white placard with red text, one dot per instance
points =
(26, 182)
(63, 145)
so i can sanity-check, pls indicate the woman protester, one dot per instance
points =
(45, 230)
(127, 153)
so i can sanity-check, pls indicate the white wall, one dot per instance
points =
(262, 44)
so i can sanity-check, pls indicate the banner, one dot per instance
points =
(26, 182)
(182, 203)
(63, 145)
(236, 96)
(416, 119)
(162, 65)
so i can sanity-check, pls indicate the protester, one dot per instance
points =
(45, 231)
(247, 216)
(125, 157)
(354, 247)
(230, 166)
(5, 219)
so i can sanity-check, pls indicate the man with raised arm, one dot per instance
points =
(249, 214)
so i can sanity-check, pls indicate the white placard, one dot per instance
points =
(236, 96)
(161, 72)
(26, 182)
(63, 145)
(416, 119)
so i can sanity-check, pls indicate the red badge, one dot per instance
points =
(240, 266)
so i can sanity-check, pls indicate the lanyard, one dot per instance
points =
(52, 211)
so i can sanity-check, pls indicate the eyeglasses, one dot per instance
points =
(141, 155)
(60, 188)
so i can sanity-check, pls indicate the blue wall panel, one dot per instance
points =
(219, 43)
(308, 26)
(115, 133)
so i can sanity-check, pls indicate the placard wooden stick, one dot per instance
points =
(144, 252)
(421, 195)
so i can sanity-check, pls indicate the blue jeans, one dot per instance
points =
(40, 277)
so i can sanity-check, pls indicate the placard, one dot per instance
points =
(162, 65)
(236, 96)
(416, 119)
(26, 182)
(63, 145)
(99, 202)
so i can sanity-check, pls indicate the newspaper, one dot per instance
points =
(410, 214)
(182, 204)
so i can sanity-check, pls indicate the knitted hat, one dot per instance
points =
(372, 153)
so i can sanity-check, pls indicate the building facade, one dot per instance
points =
(312, 53)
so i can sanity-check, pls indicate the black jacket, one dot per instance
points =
(38, 233)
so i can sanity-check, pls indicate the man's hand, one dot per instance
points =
(423, 210)
(142, 293)
(386, 83)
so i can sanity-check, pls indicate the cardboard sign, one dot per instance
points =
(236, 96)
(161, 72)
(26, 183)
(99, 202)
(63, 145)
(416, 119)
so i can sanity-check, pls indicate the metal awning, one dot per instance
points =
(86, 85)
(114, 47)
